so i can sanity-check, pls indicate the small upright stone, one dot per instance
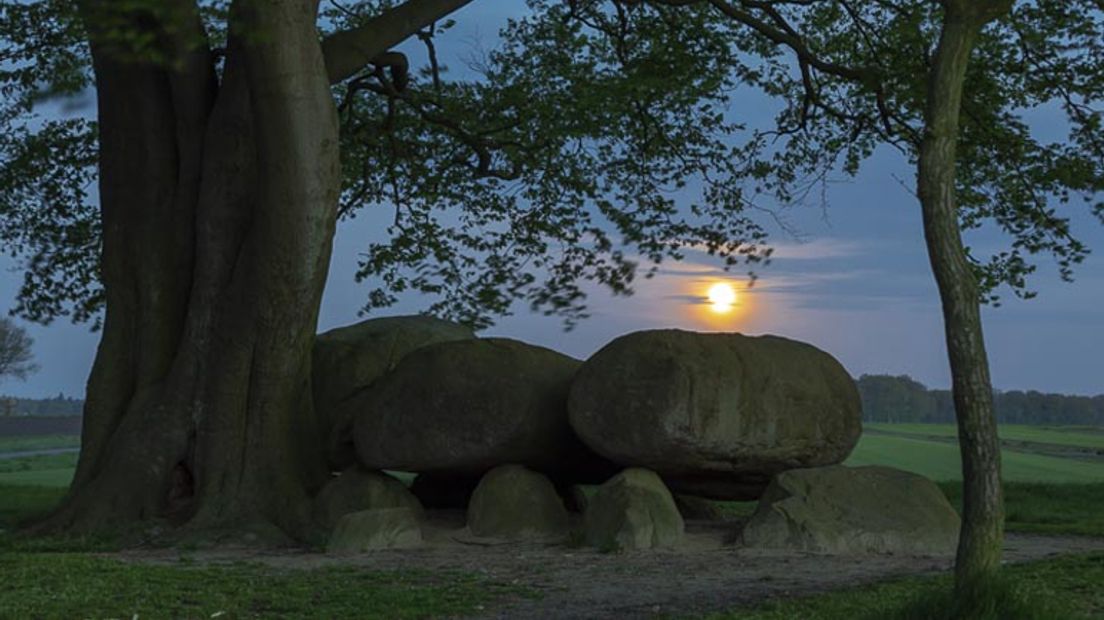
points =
(515, 503)
(359, 489)
(632, 510)
(384, 528)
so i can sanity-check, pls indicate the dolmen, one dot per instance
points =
(614, 452)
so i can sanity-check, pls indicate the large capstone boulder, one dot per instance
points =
(462, 408)
(716, 415)
(381, 528)
(632, 510)
(514, 502)
(847, 510)
(348, 359)
(358, 489)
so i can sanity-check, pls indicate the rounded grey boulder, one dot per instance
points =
(381, 528)
(513, 502)
(348, 359)
(846, 510)
(357, 489)
(716, 415)
(632, 510)
(461, 408)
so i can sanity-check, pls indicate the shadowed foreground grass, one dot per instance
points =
(1066, 588)
(21, 503)
(50, 578)
(81, 586)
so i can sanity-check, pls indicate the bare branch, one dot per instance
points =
(349, 51)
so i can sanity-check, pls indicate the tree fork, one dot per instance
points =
(219, 203)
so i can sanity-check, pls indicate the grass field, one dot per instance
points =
(38, 442)
(58, 578)
(940, 460)
(1079, 436)
(50, 470)
(54, 578)
(1059, 589)
(67, 585)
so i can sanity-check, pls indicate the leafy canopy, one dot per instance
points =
(599, 140)
(16, 357)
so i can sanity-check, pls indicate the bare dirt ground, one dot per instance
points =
(709, 572)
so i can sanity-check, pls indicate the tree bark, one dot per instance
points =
(979, 547)
(219, 203)
(218, 195)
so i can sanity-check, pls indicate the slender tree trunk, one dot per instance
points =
(979, 547)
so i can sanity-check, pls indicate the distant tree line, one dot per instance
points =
(60, 405)
(887, 398)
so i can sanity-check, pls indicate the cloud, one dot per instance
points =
(817, 249)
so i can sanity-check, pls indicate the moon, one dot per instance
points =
(722, 297)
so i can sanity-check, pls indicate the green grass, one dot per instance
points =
(45, 578)
(22, 505)
(1065, 588)
(57, 478)
(82, 586)
(941, 461)
(52, 470)
(18, 503)
(1082, 437)
(1075, 509)
(38, 442)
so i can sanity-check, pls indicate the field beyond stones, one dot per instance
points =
(1055, 500)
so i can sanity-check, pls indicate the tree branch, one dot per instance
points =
(348, 51)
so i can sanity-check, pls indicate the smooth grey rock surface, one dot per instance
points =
(382, 528)
(632, 510)
(358, 489)
(847, 510)
(514, 502)
(349, 359)
(461, 408)
(716, 415)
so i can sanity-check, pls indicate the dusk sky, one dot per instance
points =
(855, 282)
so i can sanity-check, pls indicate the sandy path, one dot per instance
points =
(708, 573)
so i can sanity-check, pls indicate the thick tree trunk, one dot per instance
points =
(219, 203)
(979, 547)
(219, 197)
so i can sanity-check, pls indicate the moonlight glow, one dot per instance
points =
(722, 297)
